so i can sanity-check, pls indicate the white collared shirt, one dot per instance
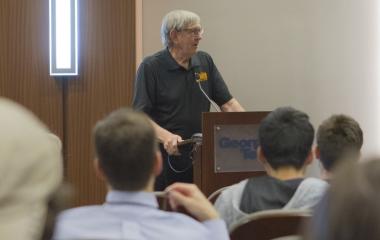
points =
(133, 215)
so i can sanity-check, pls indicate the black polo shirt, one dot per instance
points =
(169, 94)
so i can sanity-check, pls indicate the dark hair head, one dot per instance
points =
(339, 137)
(354, 207)
(286, 137)
(125, 144)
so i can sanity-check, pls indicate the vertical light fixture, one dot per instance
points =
(63, 36)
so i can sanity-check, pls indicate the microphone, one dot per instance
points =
(200, 77)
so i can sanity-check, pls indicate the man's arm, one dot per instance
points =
(192, 199)
(196, 204)
(232, 106)
(168, 139)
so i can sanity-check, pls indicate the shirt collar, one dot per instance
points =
(173, 65)
(132, 198)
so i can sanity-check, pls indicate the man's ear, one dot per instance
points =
(173, 35)
(99, 171)
(157, 168)
(309, 158)
(260, 156)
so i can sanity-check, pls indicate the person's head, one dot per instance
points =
(127, 151)
(286, 136)
(181, 29)
(30, 172)
(353, 202)
(338, 138)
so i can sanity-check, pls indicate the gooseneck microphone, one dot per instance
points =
(199, 79)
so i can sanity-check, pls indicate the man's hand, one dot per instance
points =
(168, 139)
(171, 144)
(192, 199)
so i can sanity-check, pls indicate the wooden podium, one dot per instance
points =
(206, 177)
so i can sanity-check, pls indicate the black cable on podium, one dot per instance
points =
(195, 140)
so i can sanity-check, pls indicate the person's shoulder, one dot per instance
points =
(154, 58)
(235, 186)
(233, 190)
(203, 54)
(80, 212)
(314, 182)
(312, 188)
(186, 227)
(179, 219)
(308, 194)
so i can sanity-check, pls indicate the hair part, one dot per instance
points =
(126, 144)
(339, 138)
(176, 20)
(286, 136)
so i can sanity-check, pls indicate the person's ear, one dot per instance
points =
(317, 152)
(260, 156)
(173, 35)
(157, 168)
(309, 158)
(99, 171)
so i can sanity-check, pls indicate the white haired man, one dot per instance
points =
(166, 88)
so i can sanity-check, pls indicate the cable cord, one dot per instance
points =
(216, 107)
(176, 170)
(187, 167)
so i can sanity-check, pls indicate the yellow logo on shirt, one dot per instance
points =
(202, 76)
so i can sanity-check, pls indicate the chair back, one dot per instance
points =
(270, 224)
(162, 201)
(213, 196)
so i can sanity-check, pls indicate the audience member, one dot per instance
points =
(338, 138)
(30, 171)
(352, 207)
(286, 137)
(128, 159)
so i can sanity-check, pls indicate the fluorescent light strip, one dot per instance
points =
(63, 34)
(63, 22)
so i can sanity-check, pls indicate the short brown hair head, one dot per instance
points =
(339, 137)
(125, 145)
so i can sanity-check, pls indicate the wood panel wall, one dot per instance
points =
(70, 106)
(107, 70)
(24, 60)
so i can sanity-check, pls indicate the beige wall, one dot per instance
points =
(318, 56)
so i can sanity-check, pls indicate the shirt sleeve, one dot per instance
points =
(223, 205)
(144, 90)
(217, 229)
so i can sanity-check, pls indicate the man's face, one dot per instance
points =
(187, 40)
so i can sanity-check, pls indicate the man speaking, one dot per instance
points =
(173, 86)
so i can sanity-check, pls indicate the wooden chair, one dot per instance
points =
(270, 224)
(213, 196)
(162, 201)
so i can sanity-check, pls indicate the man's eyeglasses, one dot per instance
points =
(194, 31)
